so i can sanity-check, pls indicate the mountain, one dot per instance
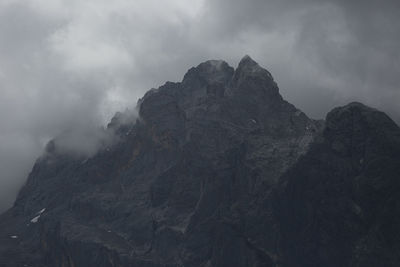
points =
(217, 170)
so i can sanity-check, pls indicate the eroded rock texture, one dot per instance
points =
(218, 170)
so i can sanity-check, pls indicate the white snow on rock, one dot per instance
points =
(38, 214)
(14, 236)
(36, 219)
(41, 211)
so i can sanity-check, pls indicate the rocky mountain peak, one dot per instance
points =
(218, 170)
(356, 124)
(251, 79)
(348, 182)
(209, 72)
(357, 116)
(247, 61)
(248, 68)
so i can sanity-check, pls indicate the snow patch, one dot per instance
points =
(36, 219)
(41, 211)
(14, 236)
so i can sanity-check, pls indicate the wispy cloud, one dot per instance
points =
(72, 64)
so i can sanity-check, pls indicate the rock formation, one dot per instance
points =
(217, 170)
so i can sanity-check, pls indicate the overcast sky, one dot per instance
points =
(70, 64)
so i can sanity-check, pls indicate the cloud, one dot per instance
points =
(72, 64)
(83, 143)
(322, 53)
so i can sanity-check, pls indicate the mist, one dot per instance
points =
(68, 66)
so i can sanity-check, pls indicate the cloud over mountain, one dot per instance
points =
(72, 64)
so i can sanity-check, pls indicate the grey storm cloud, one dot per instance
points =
(70, 65)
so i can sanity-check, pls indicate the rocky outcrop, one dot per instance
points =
(340, 202)
(218, 170)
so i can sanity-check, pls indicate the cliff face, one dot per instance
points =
(340, 202)
(218, 170)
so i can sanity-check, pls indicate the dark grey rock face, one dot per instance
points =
(340, 202)
(218, 170)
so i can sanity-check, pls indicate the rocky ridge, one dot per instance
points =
(218, 170)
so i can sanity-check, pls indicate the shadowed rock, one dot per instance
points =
(218, 170)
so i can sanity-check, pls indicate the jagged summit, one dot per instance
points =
(216, 89)
(248, 67)
(218, 71)
(211, 71)
(219, 170)
(247, 60)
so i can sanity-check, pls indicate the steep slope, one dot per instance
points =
(218, 170)
(341, 203)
